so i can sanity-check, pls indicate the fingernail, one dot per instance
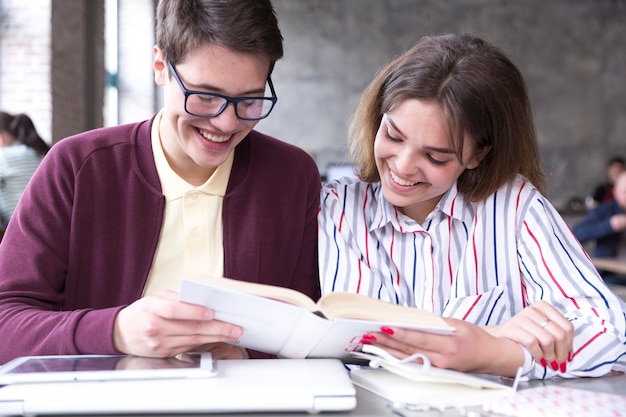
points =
(365, 342)
(569, 356)
(387, 330)
(369, 337)
(236, 333)
(544, 362)
(563, 367)
(554, 365)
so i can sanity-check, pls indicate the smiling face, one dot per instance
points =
(196, 146)
(415, 158)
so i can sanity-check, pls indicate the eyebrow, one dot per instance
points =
(218, 90)
(256, 92)
(395, 127)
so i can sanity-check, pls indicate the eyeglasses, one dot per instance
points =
(203, 104)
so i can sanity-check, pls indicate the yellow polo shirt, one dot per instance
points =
(191, 239)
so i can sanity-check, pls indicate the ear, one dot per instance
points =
(160, 66)
(478, 157)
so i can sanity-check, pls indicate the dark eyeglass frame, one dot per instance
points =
(234, 100)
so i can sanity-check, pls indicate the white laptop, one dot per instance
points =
(261, 385)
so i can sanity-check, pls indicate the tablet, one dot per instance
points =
(30, 369)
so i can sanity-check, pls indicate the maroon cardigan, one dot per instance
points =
(82, 240)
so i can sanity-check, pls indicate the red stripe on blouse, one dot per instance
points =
(545, 264)
(472, 307)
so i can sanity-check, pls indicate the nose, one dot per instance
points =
(227, 120)
(407, 163)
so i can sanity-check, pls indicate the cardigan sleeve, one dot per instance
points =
(33, 266)
(79, 246)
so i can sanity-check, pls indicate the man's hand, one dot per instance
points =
(161, 326)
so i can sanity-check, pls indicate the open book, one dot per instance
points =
(287, 323)
(415, 386)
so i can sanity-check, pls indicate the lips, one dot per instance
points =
(213, 138)
(400, 181)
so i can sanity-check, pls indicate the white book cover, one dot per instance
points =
(414, 386)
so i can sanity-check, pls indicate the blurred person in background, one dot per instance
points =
(604, 192)
(605, 225)
(21, 152)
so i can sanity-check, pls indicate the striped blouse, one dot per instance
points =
(17, 164)
(482, 262)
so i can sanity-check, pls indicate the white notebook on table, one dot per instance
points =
(262, 385)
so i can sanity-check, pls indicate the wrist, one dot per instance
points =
(507, 358)
(529, 361)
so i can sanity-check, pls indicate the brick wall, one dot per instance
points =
(25, 61)
(51, 63)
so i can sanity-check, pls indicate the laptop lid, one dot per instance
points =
(262, 385)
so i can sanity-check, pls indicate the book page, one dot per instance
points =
(301, 342)
(355, 306)
(283, 294)
(289, 330)
(267, 324)
(343, 337)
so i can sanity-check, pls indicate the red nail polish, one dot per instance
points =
(386, 330)
(365, 342)
(369, 337)
(554, 365)
(544, 362)
(563, 367)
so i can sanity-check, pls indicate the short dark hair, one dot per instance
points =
(482, 94)
(616, 160)
(248, 26)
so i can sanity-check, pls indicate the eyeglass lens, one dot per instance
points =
(211, 105)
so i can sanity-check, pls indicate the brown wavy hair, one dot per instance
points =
(482, 94)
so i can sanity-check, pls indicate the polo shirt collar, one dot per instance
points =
(173, 186)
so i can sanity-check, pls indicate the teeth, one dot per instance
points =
(400, 181)
(213, 138)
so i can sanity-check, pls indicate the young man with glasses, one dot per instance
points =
(116, 217)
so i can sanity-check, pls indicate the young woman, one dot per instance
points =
(21, 152)
(448, 214)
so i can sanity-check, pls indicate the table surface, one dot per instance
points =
(610, 264)
(370, 405)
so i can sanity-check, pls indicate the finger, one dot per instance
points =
(214, 329)
(556, 344)
(176, 338)
(167, 294)
(561, 329)
(166, 305)
(403, 343)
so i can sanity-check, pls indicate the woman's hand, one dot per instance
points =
(468, 349)
(162, 326)
(545, 332)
